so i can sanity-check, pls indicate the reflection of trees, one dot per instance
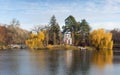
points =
(39, 56)
(79, 62)
(46, 62)
(53, 62)
(9, 63)
(102, 57)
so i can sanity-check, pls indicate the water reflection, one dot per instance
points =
(102, 58)
(77, 62)
(57, 62)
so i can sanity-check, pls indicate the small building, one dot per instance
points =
(67, 38)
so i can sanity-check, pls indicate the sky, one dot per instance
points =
(98, 13)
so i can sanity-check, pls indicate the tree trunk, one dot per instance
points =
(73, 40)
(54, 38)
(47, 38)
(60, 38)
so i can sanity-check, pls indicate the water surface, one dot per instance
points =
(59, 62)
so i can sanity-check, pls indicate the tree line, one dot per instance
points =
(43, 35)
(116, 37)
(12, 34)
(53, 35)
(80, 31)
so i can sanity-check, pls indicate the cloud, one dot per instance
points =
(107, 25)
(99, 13)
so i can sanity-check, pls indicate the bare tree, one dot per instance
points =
(38, 28)
(15, 23)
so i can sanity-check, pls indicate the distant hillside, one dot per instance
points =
(18, 34)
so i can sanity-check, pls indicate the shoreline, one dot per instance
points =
(55, 47)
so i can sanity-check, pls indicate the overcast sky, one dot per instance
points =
(98, 13)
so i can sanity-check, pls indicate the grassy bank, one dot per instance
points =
(54, 47)
(61, 47)
(67, 47)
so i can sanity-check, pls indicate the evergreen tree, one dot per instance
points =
(84, 32)
(54, 30)
(71, 25)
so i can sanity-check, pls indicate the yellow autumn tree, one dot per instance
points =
(101, 39)
(40, 40)
(31, 41)
(36, 41)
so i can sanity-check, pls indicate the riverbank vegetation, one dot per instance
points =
(101, 39)
(12, 34)
(35, 41)
(81, 33)
(116, 37)
(51, 36)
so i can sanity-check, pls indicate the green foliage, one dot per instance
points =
(54, 30)
(70, 24)
(80, 31)
(84, 31)
(84, 28)
(77, 39)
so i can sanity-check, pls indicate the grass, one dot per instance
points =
(90, 48)
(67, 47)
(55, 47)
(62, 47)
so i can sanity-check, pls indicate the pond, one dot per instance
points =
(59, 62)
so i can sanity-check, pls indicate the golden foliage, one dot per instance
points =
(101, 40)
(41, 36)
(50, 46)
(36, 41)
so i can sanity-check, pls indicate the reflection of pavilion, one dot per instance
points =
(77, 62)
(68, 58)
